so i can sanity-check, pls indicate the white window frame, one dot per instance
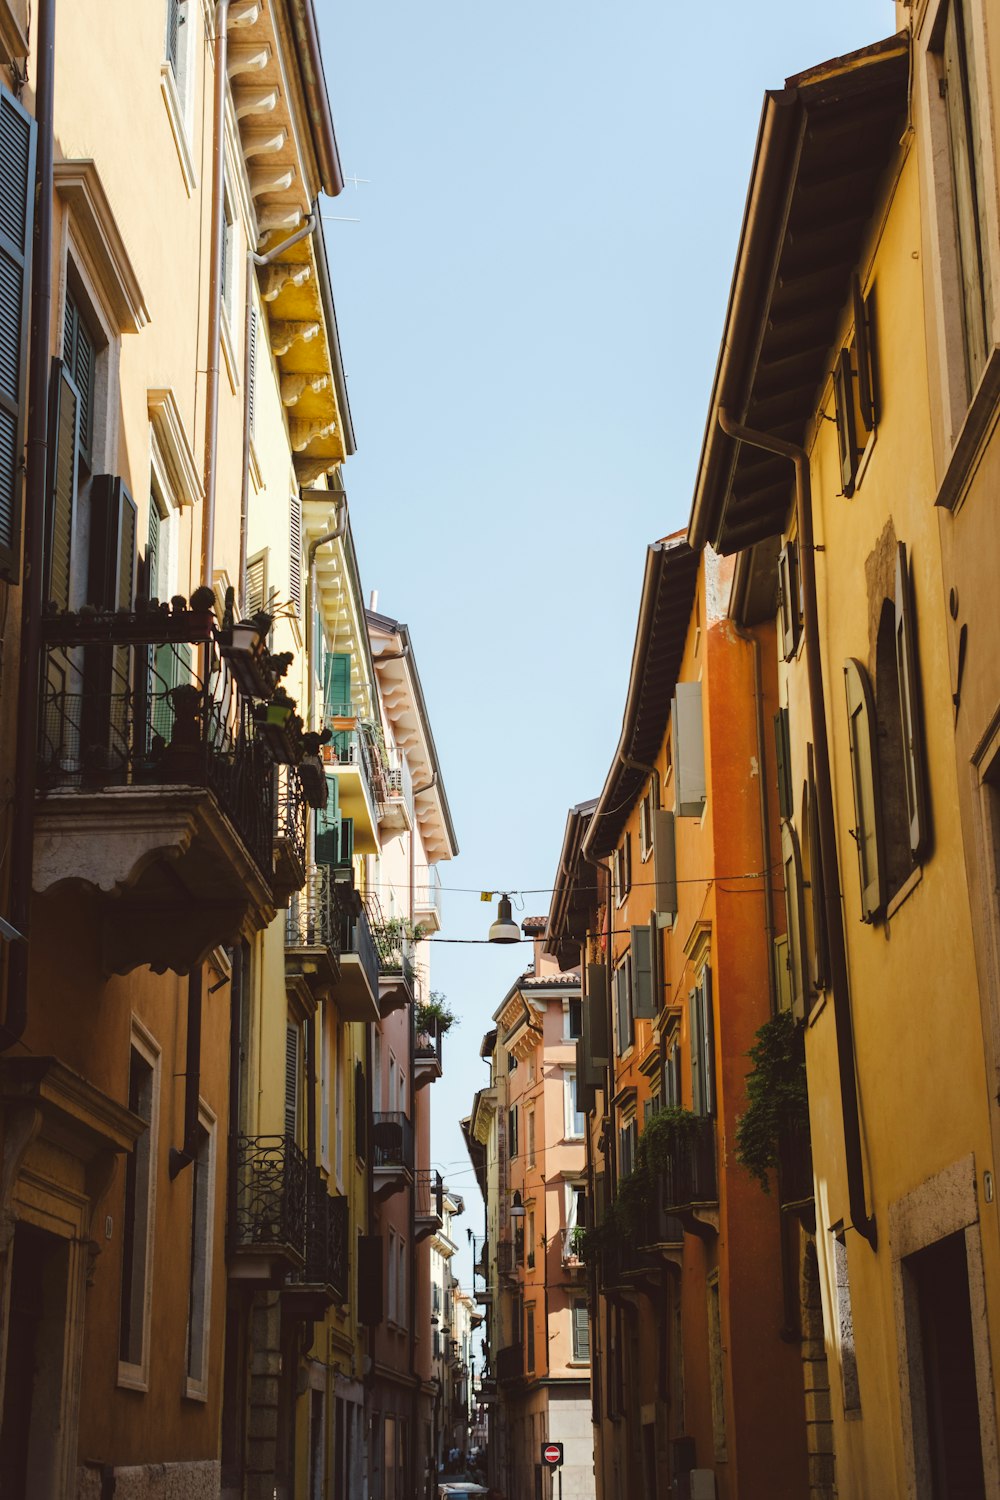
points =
(196, 1386)
(178, 94)
(570, 1111)
(646, 826)
(135, 1376)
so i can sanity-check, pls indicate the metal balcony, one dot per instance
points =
(427, 897)
(313, 930)
(427, 1051)
(289, 834)
(428, 1203)
(392, 1153)
(795, 1167)
(358, 990)
(396, 808)
(510, 1364)
(267, 1207)
(688, 1187)
(154, 791)
(355, 761)
(392, 950)
(323, 1279)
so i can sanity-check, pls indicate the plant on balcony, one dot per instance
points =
(628, 1215)
(397, 930)
(777, 1096)
(435, 1014)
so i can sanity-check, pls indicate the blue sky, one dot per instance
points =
(530, 309)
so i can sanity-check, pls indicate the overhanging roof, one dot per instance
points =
(575, 895)
(825, 141)
(668, 591)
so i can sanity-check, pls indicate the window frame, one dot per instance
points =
(134, 1375)
(571, 1109)
(197, 1385)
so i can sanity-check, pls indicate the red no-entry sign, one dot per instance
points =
(552, 1454)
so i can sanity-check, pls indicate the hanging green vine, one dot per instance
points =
(777, 1096)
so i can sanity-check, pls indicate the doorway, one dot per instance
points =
(31, 1432)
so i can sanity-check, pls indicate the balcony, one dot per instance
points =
(427, 897)
(313, 932)
(355, 760)
(428, 1204)
(510, 1364)
(267, 1208)
(688, 1184)
(396, 809)
(153, 790)
(507, 1260)
(795, 1170)
(570, 1256)
(358, 990)
(289, 835)
(624, 1267)
(392, 949)
(427, 1051)
(323, 1279)
(392, 1153)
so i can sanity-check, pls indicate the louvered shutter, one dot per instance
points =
(664, 868)
(360, 1113)
(345, 853)
(80, 355)
(595, 1009)
(173, 33)
(820, 948)
(152, 567)
(17, 198)
(369, 1261)
(843, 383)
(295, 552)
(697, 1069)
(64, 426)
(788, 599)
(256, 599)
(783, 759)
(337, 684)
(327, 830)
(864, 773)
(863, 349)
(113, 522)
(689, 749)
(643, 996)
(794, 916)
(909, 709)
(581, 1332)
(292, 1044)
(707, 1019)
(585, 1071)
(252, 374)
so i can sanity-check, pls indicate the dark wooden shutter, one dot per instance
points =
(17, 199)
(862, 731)
(697, 1067)
(64, 427)
(909, 709)
(586, 1079)
(360, 1112)
(707, 1017)
(581, 1331)
(783, 759)
(113, 523)
(337, 684)
(326, 841)
(295, 551)
(820, 945)
(80, 354)
(843, 383)
(664, 868)
(791, 861)
(152, 566)
(596, 1014)
(292, 1043)
(345, 853)
(689, 750)
(627, 862)
(370, 1278)
(788, 600)
(643, 996)
(863, 352)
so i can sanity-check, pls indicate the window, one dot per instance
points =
(960, 91)
(529, 1331)
(360, 1113)
(575, 1120)
(530, 1238)
(80, 361)
(401, 1282)
(293, 1066)
(783, 761)
(795, 957)
(256, 585)
(621, 870)
(138, 1216)
(176, 42)
(392, 1295)
(789, 600)
(295, 552)
(854, 390)
(512, 1131)
(17, 199)
(624, 1026)
(572, 1020)
(701, 1025)
(862, 730)
(529, 1126)
(199, 1298)
(581, 1331)
(643, 988)
(646, 826)
(687, 733)
(628, 1136)
(228, 277)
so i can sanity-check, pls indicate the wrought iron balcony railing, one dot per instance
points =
(689, 1174)
(392, 1142)
(289, 827)
(622, 1260)
(268, 1191)
(506, 1260)
(428, 1193)
(355, 931)
(392, 946)
(327, 1240)
(315, 918)
(510, 1363)
(142, 715)
(795, 1166)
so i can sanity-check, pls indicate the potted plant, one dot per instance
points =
(435, 1015)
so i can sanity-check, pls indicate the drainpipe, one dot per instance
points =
(321, 541)
(22, 840)
(765, 847)
(861, 1220)
(253, 259)
(217, 230)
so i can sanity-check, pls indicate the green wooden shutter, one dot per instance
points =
(664, 868)
(80, 354)
(337, 684)
(643, 995)
(909, 709)
(346, 852)
(863, 349)
(689, 749)
(862, 729)
(783, 759)
(595, 1010)
(843, 384)
(64, 427)
(327, 831)
(113, 524)
(794, 916)
(17, 199)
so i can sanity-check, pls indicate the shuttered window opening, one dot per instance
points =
(252, 375)
(293, 1042)
(295, 552)
(113, 525)
(64, 424)
(664, 868)
(862, 731)
(910, 709)
(789, 600)
(360, 1113)
(687, 732)
(783, 761)
(643, 991)
(701, 1024)
(595, 1016)
(17, 196)
(624, 1030)
(791, 862)
(80, 354)
(175, 20)
(819, 951)
(581, 1331)
(256, 599)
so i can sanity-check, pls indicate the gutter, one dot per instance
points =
(861, 1220)
(22, 840)
(309, 57)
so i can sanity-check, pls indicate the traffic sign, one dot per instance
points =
(552, 1454)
